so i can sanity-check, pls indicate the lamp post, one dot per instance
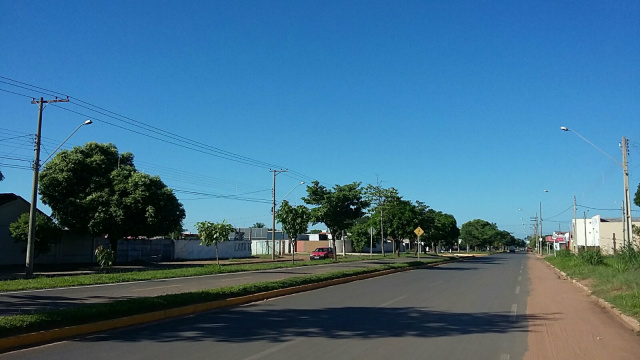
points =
(625, 173)
(34, 192)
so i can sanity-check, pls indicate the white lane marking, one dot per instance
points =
(505, 357)
(272, 350)
(246, 277)
(517, 289)
(392, 301)
(520, 271)
(519, 278)
(514, 312)
(154, 288)
(436, 283)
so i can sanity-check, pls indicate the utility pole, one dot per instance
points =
(585, 231)
(273, 213)
(625, 169)
(34, 189)
(575, 227)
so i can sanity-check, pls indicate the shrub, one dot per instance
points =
(592, 257)
(105, 257)
(564, 253)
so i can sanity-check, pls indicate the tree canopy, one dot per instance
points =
(47, 232)
(479, 233)
(294, 220)
(337, 208)
(214, 233)
(97, 190)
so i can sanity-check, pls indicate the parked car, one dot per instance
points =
(321, 253)
(512, 248)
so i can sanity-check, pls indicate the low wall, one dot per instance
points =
(192, 250)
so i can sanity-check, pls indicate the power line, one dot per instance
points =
(567, 209)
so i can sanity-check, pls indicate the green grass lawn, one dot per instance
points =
(614, 280)
(22, 324)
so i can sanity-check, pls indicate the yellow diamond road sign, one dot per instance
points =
(418, 231)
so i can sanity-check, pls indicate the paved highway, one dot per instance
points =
(25, 302)
(464, 310)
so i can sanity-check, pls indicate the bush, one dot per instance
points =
(564, 253)
(592, 257)
(629, 255)
(105, 257)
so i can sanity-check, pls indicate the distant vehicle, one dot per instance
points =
(321, 253)
(512, 249)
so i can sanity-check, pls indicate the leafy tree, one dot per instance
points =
(258, 225)
(95, 189)
(295, 221)
(105, 257)
(214, 233)
(478, 233)
(401, 218)
(380, 198)
(443, 230)
(337, 208)
(315, 231)
(360, 234)
(47, 232)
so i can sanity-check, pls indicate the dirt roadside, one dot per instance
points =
(566, 324)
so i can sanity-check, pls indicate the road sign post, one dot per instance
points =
(418, 232)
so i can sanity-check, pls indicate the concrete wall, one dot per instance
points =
(192, 250)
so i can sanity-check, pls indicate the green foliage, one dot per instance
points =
(591, 257)
(214, 233)
(337, 208)
(564, 253)
(629, 255)
(294, 220)
(360, 234)
(94, 189)
(258, 225)
(47, 232)
(636, 198)
(105, 257)
(479, 233)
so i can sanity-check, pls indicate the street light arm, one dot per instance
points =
(88, 122)
(592, 144)
(290, 191)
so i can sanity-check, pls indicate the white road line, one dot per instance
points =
(514, 312)
(520, 271)
(154, 288)
(246, 277)
(392, 301)
(505, 357)
(517, 289)
(519, 278)
(272, 350)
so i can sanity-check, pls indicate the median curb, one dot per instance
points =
(629, 321)
(49, 336)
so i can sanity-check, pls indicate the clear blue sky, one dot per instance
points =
(455, 103)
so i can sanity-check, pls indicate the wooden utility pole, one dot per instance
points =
(34, 189)
(273, 213)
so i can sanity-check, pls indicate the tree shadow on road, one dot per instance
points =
(249, 323)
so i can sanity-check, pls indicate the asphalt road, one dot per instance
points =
(463, 310)
(26, 302)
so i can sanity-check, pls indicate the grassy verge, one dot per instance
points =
(613, 278)
(44, 282)
(22, 324)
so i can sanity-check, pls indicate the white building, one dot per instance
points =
(605, 233)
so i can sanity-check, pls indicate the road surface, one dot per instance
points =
(466, 310)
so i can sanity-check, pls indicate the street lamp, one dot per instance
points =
(625, 174)
(290, 191)
(34, 194)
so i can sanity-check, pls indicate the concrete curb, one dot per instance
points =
(630, 322)
(49, 336)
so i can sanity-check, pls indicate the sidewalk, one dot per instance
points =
(571, 325)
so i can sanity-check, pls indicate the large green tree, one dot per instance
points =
(295, 221)
(479, 233)
(97, 190)
(337, 208)
(360, 233)
(401, 218)
(47, 232)
(443, 230)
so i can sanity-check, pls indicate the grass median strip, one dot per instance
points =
(44, 282)
(23, 324)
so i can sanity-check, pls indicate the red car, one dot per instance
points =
(321, 253)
